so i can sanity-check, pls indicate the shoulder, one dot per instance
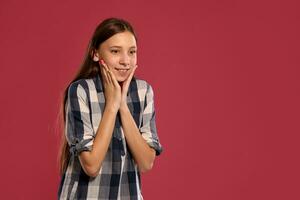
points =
(79, 88)
(144, 89)
(143, 85)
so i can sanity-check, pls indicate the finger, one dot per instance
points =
(110, 74)
(109, 77)
(107, 70)
(104, 64)
(102, 71)
(133, 70)
(104, 74)
(130, 76)
(114, 79)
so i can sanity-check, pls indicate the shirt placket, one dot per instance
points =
(123, 156)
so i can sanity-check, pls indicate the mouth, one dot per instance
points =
(122, 70)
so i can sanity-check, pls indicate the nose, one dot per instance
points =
(125, 60)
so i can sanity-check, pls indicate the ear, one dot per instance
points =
(95, 56)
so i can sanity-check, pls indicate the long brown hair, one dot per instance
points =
(89, 68)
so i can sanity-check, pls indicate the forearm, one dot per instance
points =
(142, 153)
(91, 161)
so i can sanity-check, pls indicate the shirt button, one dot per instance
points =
(122, 153)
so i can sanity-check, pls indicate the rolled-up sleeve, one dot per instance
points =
(148, 126)
(79, 130)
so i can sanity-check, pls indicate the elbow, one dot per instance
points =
(94, 175)
(147, 165)
(90, 166)
(146, 168)
(91, 171)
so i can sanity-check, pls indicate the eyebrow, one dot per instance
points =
(121, 47)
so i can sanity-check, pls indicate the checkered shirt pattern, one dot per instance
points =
(119, 177)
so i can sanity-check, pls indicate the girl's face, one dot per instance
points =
(119, 54)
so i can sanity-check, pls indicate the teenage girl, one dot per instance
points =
(109, 120)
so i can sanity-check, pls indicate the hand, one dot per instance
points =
(125, 86)
(112, 89)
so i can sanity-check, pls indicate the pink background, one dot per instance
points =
(226, 81)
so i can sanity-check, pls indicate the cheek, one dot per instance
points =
(109, 60)
(111, 63)
(133, 61)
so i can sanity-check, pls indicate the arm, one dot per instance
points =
(143, 154)
(91, 161)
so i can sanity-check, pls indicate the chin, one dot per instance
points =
(121, 79)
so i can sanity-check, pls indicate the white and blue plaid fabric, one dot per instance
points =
(119, 177)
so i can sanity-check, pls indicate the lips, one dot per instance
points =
(121, 69)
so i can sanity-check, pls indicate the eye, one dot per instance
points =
(114, 51)
(133, 51)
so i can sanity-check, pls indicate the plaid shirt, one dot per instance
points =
(119, 177)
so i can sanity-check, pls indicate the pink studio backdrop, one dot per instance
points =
(226, 81)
